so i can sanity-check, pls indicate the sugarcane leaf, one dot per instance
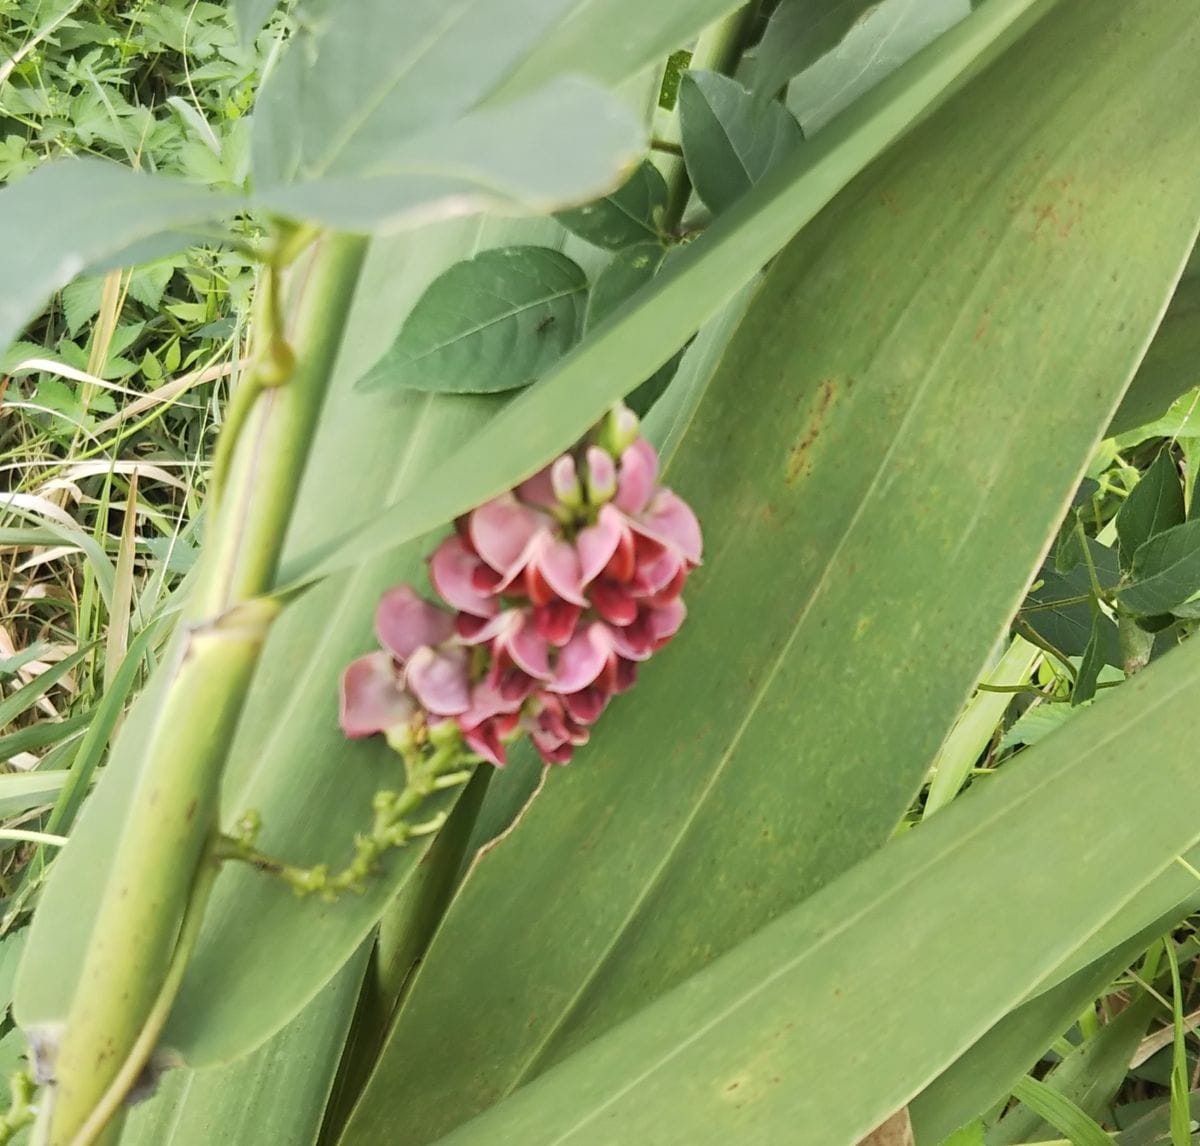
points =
(782, 1006)
(491, 323)
(702, 847)
(729, 143)
(1170, 367)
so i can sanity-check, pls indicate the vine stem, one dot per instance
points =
(171, 818)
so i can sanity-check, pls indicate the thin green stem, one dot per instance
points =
(390, 829)
(21, 1111)
(143, 1047)
(171, 817)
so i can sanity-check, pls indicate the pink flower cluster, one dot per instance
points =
(560, 589)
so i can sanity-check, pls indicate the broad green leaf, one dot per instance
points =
(699, 850)
(348, 92)
(799, 33)
(67, 215)
(1172, 363)
(729, 143)
(276, 1095)
(491, 323)
(786, 1004)
(626, 217)
(610, 40)
(630, 269)
(1165, 571)
(1154, 506)
(494, 159)
(693, 288)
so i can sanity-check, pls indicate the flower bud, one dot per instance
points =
(601, 476)
(619, 430)
(565, 482)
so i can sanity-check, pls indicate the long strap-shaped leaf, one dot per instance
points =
(835, 1015)
(880, 461)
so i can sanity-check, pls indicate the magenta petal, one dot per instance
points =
(656, 574)
(451, 570)
(559, 564)
(486, 702)
(373, 699)
(582, 659)
(597, 543)
(485, 741)
(502, 528)
(539, 489)
(613, 602)
(639, 472)
(586, 705)
(405, 621)
(670, 520)
(528, 648)
(438, 679)
(634, 642)
(665, 620)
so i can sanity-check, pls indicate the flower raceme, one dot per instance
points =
(551, 595)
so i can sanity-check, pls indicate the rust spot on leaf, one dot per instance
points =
(798, 462)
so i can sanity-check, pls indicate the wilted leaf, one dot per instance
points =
(491, 323)
(729, 143)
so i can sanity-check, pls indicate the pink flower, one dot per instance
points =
(561, 588)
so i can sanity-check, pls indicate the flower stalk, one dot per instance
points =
(171, 822)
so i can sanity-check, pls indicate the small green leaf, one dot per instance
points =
(1092, 662)
(491, 323)
(630, 269)
(81, 302)
(626, 217)
(800, 32)
(728, 143)
(1058, 609)
(1165, 571)
(1154, 506)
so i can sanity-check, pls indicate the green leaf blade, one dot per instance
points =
(1165, 571)
(1154, 506)
(626, 217)
(496, 322)
(728, 142)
